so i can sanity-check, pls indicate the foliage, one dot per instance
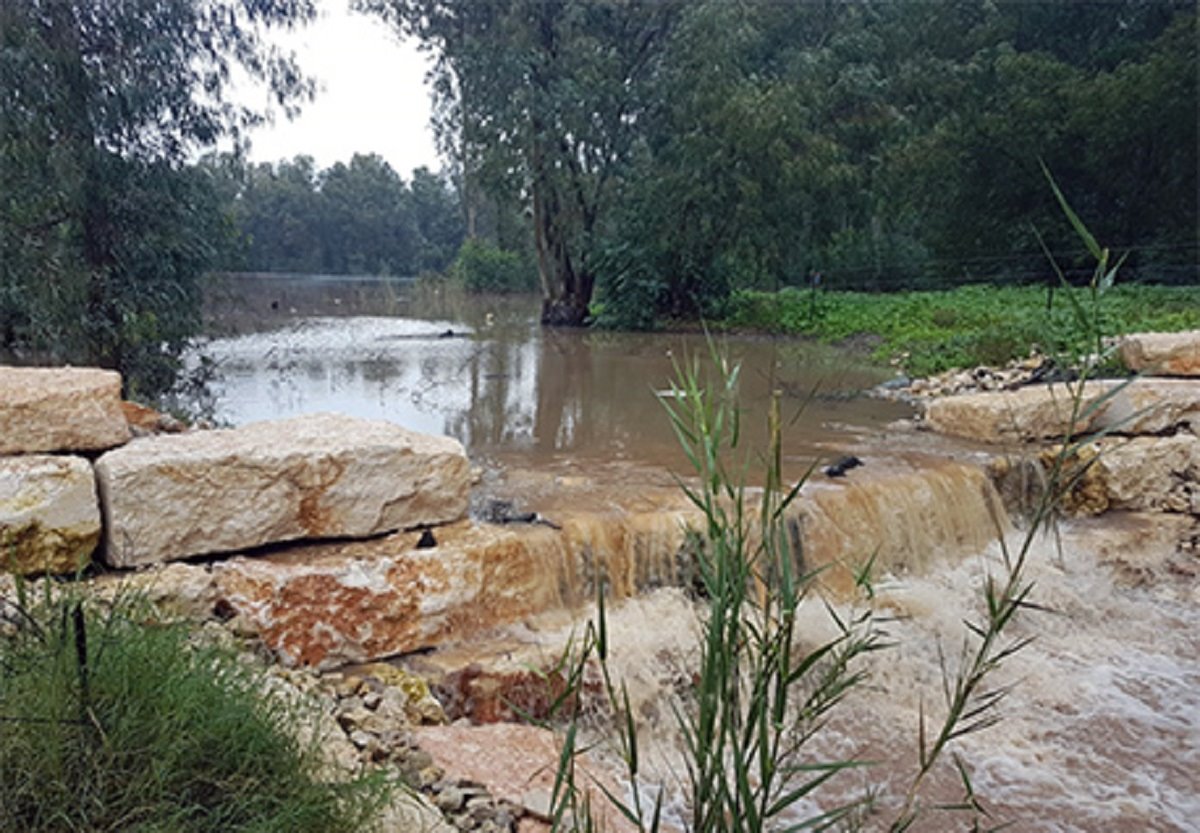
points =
(480, 267)
(103, 231)
(116, 721)
(358, 217)
(543, 98)
(672, 154)
(965, 327)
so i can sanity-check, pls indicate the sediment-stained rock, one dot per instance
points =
(518, 764)
(315, 476)
(1163, 354)
(60, 409)
(49, 518)
(332, 604)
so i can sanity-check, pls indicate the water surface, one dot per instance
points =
(483, 371)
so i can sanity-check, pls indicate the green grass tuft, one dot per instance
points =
(111, 721)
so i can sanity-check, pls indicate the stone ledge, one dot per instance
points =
(49, 518)
(60, 409)
(317, 476)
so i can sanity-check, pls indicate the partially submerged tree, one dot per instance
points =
(103, 230)
(545, 97)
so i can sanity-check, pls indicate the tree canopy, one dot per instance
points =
(665, 153)
(104, 228)
(356, 217)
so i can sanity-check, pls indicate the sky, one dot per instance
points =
(371, 96)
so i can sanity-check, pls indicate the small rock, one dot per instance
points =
(449, 800)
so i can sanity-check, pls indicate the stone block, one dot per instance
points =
(315, 476)
(1047, 412)
(49, 517)
(1162, 354)
(60, 409)
(333, 604)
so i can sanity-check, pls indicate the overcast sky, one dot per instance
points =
(371, 96)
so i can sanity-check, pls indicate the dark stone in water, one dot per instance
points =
(842, 465)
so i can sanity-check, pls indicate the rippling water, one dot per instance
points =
(483, 371)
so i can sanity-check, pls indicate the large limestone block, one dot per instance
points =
(314, 476)
(1045, 412)
(1035, 412)
(1152, 473)
(60, 409)
(331, 604)
(49, 517)
(1151, 406)
(1163, 354)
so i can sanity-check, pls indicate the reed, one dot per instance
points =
(758, 699)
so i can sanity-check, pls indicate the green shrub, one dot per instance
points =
(112, 721)
(967, 326)
(481, 267)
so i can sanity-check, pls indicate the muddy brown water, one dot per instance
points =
(1102, 728)
(480, 369)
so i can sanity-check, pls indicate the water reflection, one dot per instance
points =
(482, 371)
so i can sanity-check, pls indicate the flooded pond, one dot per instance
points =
(482, 370)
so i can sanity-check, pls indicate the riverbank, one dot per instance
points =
(927, 332)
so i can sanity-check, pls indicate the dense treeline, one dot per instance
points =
(105, 229)
(351, 218)
(654, 156)
(667, 152)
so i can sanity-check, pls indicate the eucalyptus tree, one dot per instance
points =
(546, 98)
(104, 228)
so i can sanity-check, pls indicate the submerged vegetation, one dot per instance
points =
(936, 330)
(113, 720)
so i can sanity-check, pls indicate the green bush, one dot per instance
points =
(114, 722)
(967, 326)
(482, 267)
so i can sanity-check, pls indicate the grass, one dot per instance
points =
(935, 331)
(111, 720)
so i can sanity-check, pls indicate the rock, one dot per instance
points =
(334, 604)
(145, 421)
(1088, 493)
(517, 764)
(1163, 354)
(1152, 473)
(185, 590)
(419, 704)
(1044, 412)
(1151, 406)
(60, 409)
(317, 476)
(49, 518)
(411, 812)
(1035, 412)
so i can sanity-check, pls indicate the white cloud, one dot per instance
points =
(371, 96)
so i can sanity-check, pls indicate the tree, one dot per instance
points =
(436, 211)
(547, 94)
(104, 230)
